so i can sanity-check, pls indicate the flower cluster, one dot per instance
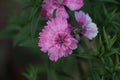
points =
(58, 5)
(56, 39)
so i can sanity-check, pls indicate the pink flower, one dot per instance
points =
(55, 39)
(47, 10)
(90, 31)
(58, 5)
(82, 18)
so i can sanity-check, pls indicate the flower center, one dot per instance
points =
(61, 40)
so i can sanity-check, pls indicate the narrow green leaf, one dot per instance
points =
(22, 35)
(95, 50)
(112, 41)
(9, 31)
(105, 10)
(101, 46)
(117, 59)
(106, 38)
(112, 15)
(111, 62)
(62, 73)
(111, 1)
(52, 74)
(35, 20)
(54, 14)
(116, 76)
(29, 43)
(116, 23)
(95, 76)
(85, 56)
(31, 73)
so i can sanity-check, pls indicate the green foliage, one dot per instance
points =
(33, 71)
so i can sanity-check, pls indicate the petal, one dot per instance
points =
(54, 53)
(73, 4)
(67, 52)
(47, 10)
(90, 31)
(82, 18)
(61, 12)
(88, 19)
(70, 28)
(45, 42)
(73, 44)
(70, 42)
(44, 11)
(58, 24)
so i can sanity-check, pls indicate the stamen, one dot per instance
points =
(61, 40)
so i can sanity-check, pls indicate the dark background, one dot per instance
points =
(9, 69)
(13, 60)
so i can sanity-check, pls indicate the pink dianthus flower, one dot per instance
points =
(55, 39)
(89, 29)
(58, 5)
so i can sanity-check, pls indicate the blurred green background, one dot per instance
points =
(14, 60)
